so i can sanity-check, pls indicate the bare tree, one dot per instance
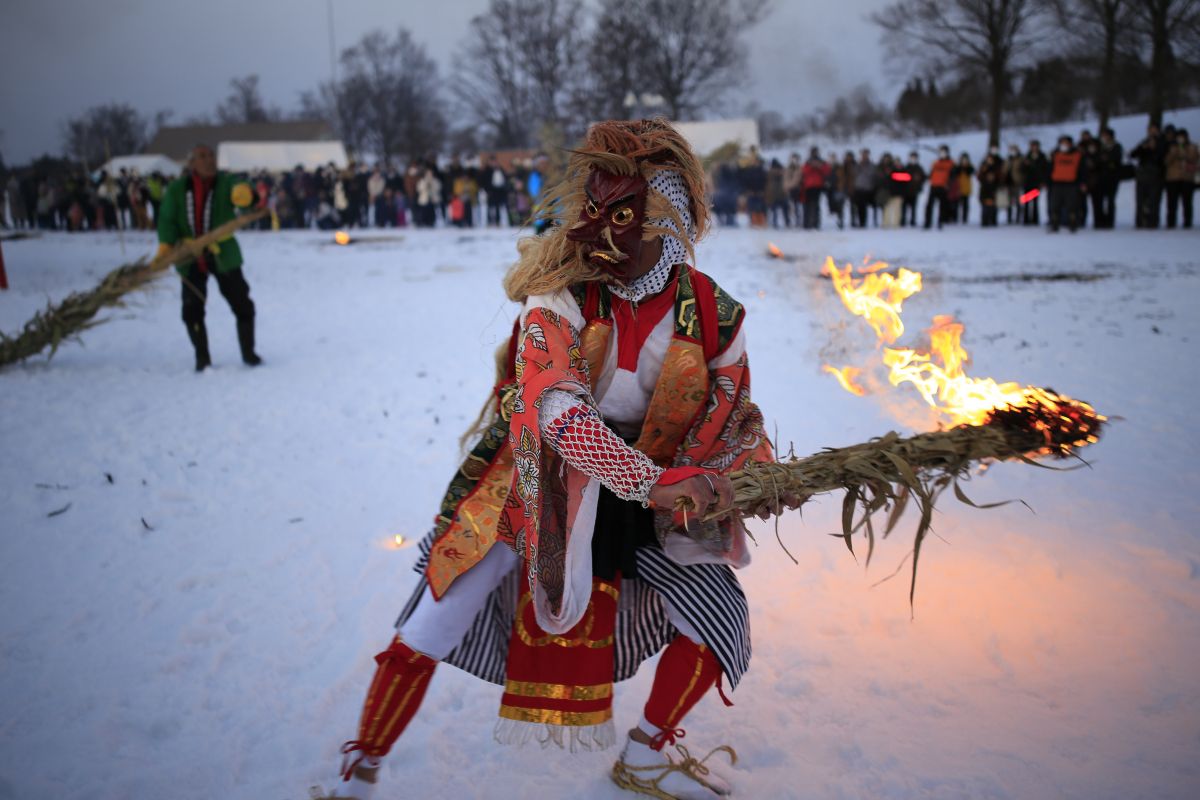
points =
(1098, 26)
(1166, 24)
(688, 52)
(244, 104)
(985, 38)
(115, 128)
(386, 102)
(518, 67)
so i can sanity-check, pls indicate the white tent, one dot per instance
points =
(143, 164)
(708, 135)
(279, 156)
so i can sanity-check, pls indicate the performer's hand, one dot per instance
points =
(163, 249)
(775, 506)
(706, 493)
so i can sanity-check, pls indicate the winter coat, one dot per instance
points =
(939, 173)
(775, 191)
(754, 178)
(1037, 170)
(913, 189)
(1068, 166)
(175, 223)
(792, 178)
(429, 190)
(814, 175)
(465, 187)
(16, 203)
(1108, 164)
(1149, 156)
(991, 174)
(375, 185)
(962, 176)
(1181, 162)
(865, 179)
(1014, 171)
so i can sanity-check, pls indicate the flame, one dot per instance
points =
(398, 540)
(939, 377)
(938, 374)
(774, 251)
(341, 237)
(846, 376)
(878, 297)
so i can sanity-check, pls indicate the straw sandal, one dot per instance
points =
(648, 780)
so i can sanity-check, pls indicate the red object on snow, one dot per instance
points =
(1032, 194)
(903, 177)
(3, 275)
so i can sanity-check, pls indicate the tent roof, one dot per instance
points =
(706, 136)
(177, 141)
(279, 156)
(144, 164)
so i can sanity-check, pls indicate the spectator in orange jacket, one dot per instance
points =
(939, 182)
(1066, 185)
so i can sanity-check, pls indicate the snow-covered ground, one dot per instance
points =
(199, 623)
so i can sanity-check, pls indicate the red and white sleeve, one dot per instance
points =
(576, 432)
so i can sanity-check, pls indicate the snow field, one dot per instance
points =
(221, 647)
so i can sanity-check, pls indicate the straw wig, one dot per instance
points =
(551, 262)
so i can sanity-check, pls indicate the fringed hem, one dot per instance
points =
(576, 738)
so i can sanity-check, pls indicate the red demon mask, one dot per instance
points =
(610, 224)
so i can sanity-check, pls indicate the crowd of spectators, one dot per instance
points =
(1077, 180)
(422, 194)
(75, 201)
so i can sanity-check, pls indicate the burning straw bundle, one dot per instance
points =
(885, 473)
(76, 313)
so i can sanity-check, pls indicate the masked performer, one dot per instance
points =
(561, 558)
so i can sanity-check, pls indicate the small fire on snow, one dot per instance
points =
(341, 237)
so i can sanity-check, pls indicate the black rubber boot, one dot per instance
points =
(199, 336)
(245, 329)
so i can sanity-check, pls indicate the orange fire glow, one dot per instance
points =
(341, 237)
(937, 374)
(847, 377)
(774, 251)
(878, 297)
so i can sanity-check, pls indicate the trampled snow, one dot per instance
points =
(201, 623)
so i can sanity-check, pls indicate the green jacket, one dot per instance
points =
(174, 224)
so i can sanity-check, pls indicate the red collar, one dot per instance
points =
(635, 321)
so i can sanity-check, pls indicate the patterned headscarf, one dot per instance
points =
(669, 184)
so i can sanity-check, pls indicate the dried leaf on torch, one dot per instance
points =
(886, 473)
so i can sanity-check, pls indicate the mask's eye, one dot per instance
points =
(622, 216)
(592, 209)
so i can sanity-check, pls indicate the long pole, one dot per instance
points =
(333, 85)
(332, 48)
(112, 196)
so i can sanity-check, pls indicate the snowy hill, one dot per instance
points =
(199, 621)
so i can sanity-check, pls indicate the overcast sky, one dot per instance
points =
(58, 57)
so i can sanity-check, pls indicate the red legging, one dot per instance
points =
(395, 695)
(685, 672)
